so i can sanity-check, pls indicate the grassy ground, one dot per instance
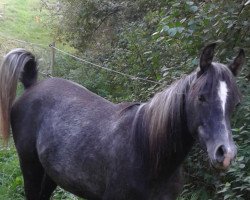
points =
(11, 182)
(23, 20)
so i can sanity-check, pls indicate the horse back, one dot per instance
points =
(52, 96)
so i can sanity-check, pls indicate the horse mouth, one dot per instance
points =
(219, 167)
(222, 166)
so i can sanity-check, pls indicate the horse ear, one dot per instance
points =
(237, 63)
(207, 57)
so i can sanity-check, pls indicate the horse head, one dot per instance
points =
(209, 105)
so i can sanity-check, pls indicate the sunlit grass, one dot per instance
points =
(28, 20)
(24, 20)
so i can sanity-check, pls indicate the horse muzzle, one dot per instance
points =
(223, 156)
(219, 146)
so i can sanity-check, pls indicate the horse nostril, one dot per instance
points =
(220, 153)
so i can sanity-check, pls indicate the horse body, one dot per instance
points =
(68, 136)
(85, 158)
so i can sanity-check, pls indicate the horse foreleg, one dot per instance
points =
(47, 188)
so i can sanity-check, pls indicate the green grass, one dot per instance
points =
(11, 181)
(22, 19)
(28, 20)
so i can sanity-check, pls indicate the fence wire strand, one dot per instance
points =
(104, 68)
(79, 59)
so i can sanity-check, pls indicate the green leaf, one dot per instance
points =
(165, 28)
(147, 52)
(160, 39)
(247, 179)
(183, 20)
(240, 158)
(227, 184)
(242, 166)
(227, 196)
(222, 191)
(248, 2)
(190, 3)
(180, 29)
(194, 8)
(155, 33)
(172, 31)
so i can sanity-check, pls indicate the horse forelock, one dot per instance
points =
(212, 77)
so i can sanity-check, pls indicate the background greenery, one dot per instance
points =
(159, 40)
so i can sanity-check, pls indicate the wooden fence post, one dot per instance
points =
(52, 45)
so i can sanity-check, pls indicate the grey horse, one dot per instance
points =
(66, 135)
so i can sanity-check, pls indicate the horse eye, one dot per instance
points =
(201, 98)
(237, 105)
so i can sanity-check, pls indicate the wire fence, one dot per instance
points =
(46, 57)
(105, 68)
(41, 52)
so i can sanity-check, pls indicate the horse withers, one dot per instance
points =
(66, 135)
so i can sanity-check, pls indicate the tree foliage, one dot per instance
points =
(160, 40)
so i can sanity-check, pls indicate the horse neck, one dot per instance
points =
(163, 119)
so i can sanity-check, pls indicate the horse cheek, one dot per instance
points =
(192, 118)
